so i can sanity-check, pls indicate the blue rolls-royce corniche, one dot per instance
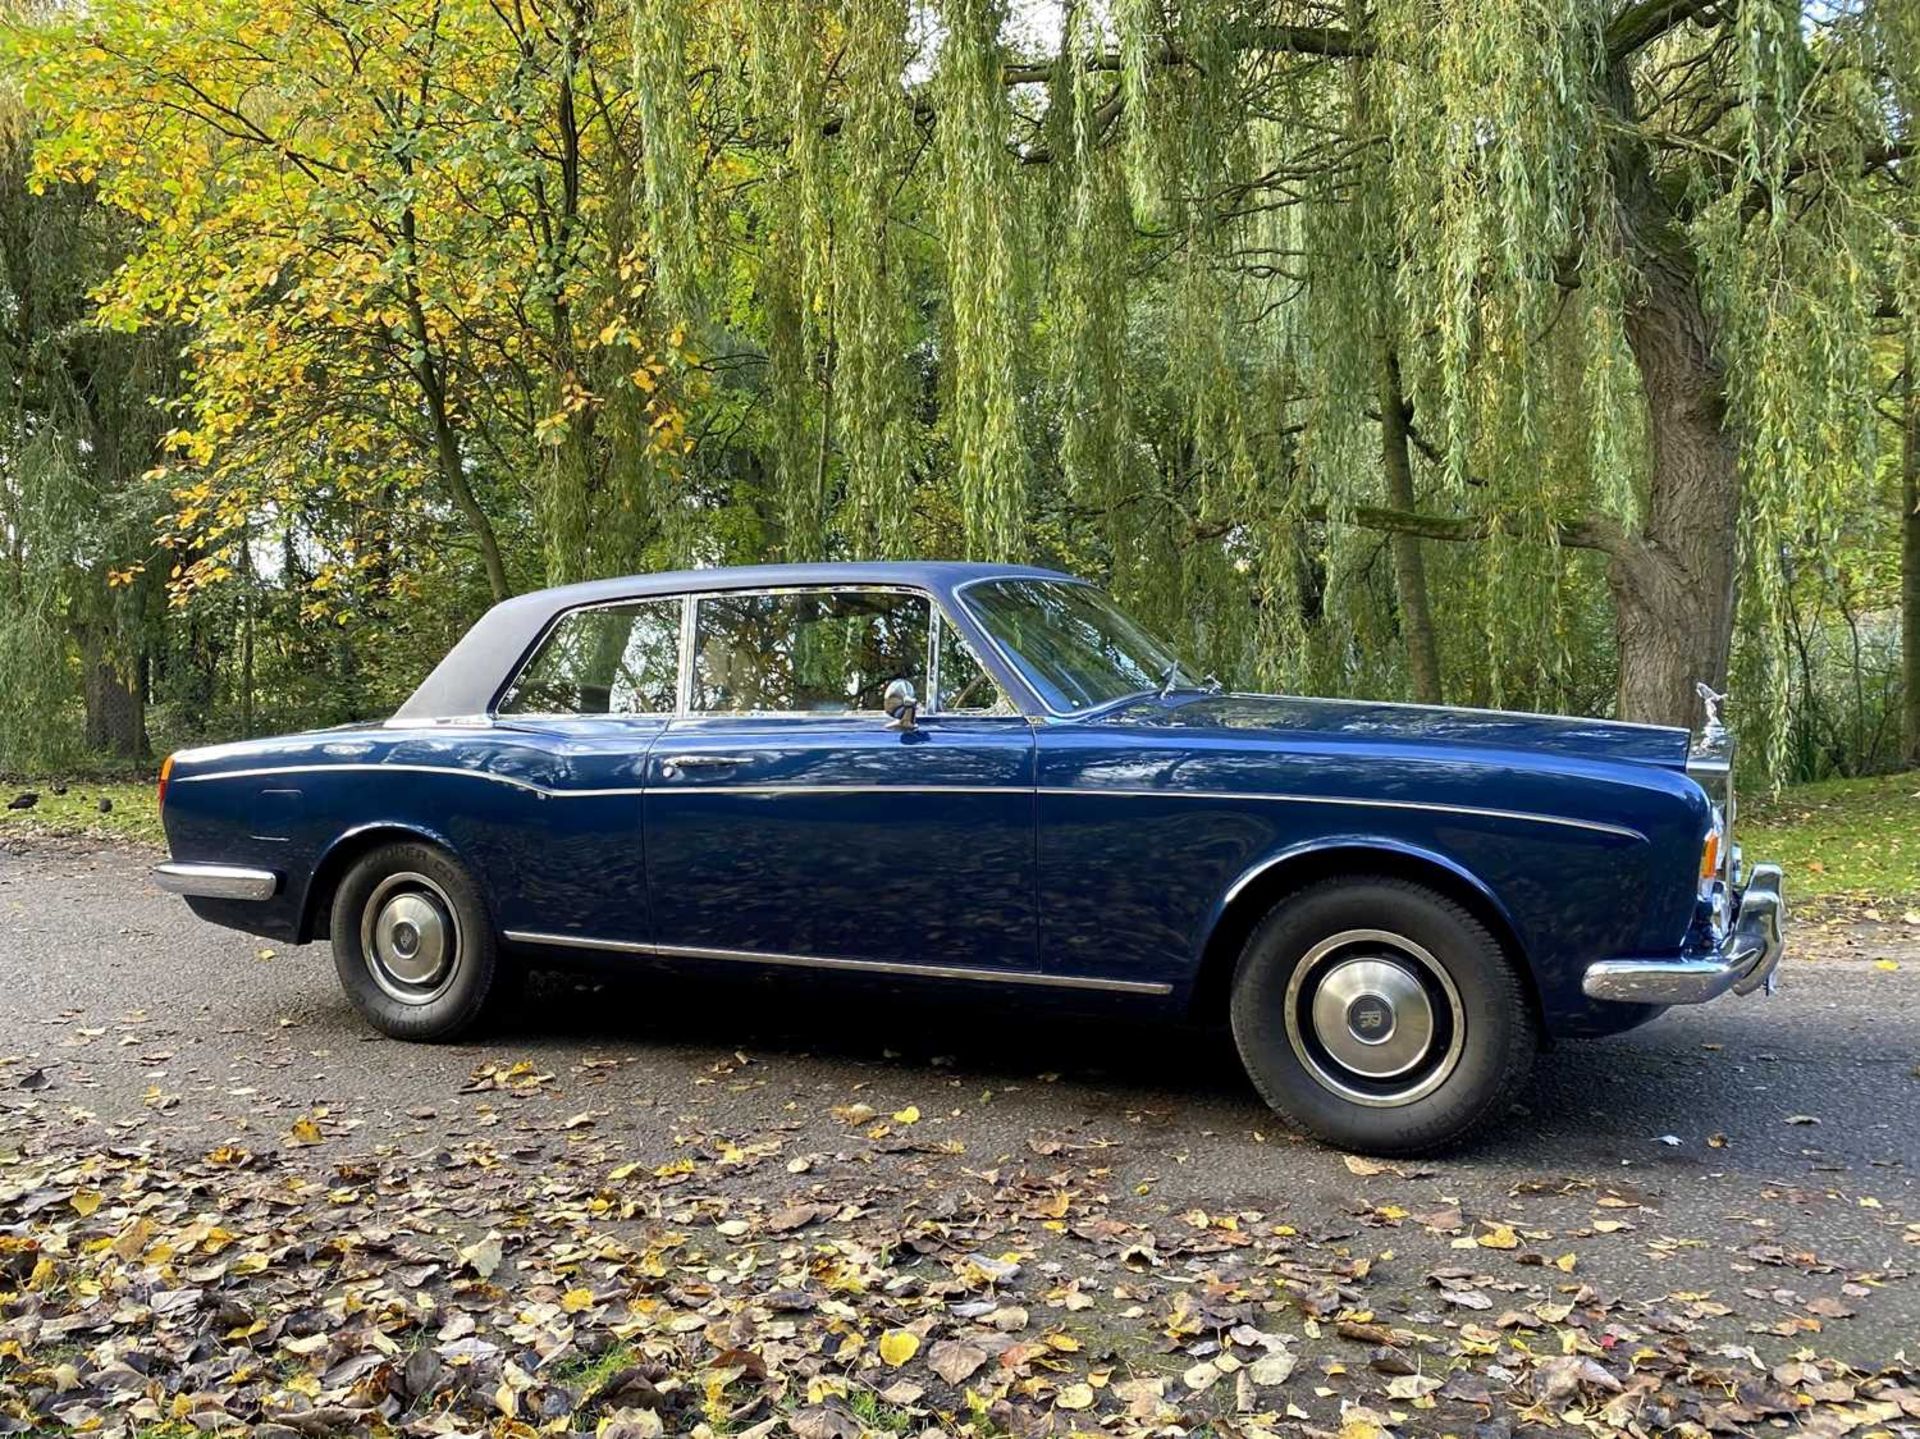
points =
(989, 776)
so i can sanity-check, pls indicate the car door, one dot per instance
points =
(787, 819)
(573, 729)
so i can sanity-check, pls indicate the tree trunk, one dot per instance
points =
(1910, 557)
(1672, 582)
(1409, 567)
(116, 720)
(446, 440)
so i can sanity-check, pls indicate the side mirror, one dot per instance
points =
(901, 704)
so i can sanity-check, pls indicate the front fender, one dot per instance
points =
(1256, 877)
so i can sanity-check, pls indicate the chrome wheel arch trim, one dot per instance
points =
(852, 966)
(1360, 846)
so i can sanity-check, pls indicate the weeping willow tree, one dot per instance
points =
(1569, 299)
(77, 433)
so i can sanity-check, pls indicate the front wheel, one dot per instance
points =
(1378, 1015)
(414, 944)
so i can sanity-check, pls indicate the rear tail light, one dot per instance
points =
(166, 773)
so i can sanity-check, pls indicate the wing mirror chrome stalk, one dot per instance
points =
(901, 704)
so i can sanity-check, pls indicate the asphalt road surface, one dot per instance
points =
(1766, 1149)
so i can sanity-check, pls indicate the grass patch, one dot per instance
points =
(77, 812)
(1841, 839)
(586, 1374)
(876, 1415)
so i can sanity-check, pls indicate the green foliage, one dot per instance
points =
(468, 299)
(1850, 838)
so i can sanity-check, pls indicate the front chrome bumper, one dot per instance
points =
(1746, 959)
(215, 881)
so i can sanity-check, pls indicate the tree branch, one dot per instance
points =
(1304, 40)
(1595, 532)
(1647, 20)
(1273, 39)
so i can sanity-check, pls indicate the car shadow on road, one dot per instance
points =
(1113, 1057)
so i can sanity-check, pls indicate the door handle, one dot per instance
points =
(674, 763)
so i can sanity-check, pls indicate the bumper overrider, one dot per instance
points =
(1744, 960)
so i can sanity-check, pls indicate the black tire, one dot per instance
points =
(1446, 976)
(420, 886)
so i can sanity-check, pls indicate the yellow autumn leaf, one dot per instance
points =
(575, 1300)
(304, 1131)
(909, 1115)
(1887, 964)
(1565, 1263)
(1499, 1237)
(1075, 1396)
(85, 1201)
(897, 1346)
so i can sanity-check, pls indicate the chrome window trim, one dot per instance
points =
(855, 966)
(932, 697)
(689, 620)
(683, 687)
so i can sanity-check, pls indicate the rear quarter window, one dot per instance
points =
(614, 660)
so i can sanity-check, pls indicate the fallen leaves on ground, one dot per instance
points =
(875, 1283)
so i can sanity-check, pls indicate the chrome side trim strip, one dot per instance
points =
(1475, 811)
(542, 790)
(858, 966)
(1476, 710)
(679, 790)
(215, 881)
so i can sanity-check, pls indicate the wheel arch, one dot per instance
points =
(1258, 889)
(316, 908)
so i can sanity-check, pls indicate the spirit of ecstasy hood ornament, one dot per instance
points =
(1714, 738)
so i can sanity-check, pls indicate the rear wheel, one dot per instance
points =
(413, 943)
(1381, 1016)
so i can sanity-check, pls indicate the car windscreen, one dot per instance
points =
(1074, 645)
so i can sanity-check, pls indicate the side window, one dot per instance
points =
(621, 659)
(965, 686)
(817, 651)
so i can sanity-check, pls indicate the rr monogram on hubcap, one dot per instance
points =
(1374, 1017)
(410, 938)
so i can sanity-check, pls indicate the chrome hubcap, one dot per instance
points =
(1374, 1017)
(410, 938)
